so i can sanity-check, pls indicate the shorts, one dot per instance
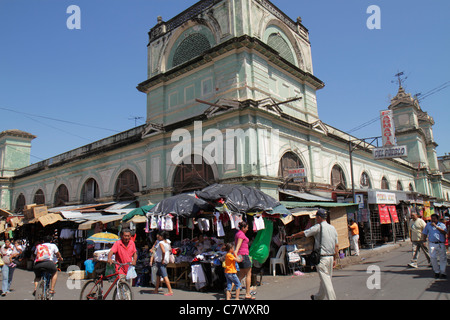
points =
(246, 263)
(162, 270)
(44, 266)
(232, 278)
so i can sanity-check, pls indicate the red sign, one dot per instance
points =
(387, 128)
(386, 212)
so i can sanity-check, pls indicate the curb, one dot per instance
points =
(369, 253)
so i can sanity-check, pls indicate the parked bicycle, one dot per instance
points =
(93, 289)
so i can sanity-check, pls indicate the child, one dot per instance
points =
(230, 271)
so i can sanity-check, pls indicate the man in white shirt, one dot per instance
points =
(416, 227)
(329, 250)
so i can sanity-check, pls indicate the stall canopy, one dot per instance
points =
(293, 204)
(183, 205)
(238, 198)
(142, 211)
(304, 195)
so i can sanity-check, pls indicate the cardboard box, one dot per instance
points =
(35, 212)
(49, 219)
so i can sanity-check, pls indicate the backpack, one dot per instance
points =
(42, 253)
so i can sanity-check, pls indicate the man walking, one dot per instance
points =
(436, 232)
(329, 250)
(417, 226)
(354, 229)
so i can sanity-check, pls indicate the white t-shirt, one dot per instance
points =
(46, 252)
(167, 248)
(329, 238)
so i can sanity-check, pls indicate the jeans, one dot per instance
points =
(232, 278)
(7, 274)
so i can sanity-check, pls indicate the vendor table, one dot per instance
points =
(178, 273)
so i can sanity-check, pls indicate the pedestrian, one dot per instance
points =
(124, 251)
(231, 272)
(163, 249)
(416, 227)
(8, 253)
(245, 266)
(353, 227)
(436, 232)
(329, 250)
(447, 225)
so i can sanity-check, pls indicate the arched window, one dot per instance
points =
(384, 184)
(193, 46)
(61, 196)
(39, 197)
(89, 192)
(290, 161)
(365, 182)
(192, 177)
(338, 180)
(399, 185)
(277, 42)
(127, 185)
(20, 203)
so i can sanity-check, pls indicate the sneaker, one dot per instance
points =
(412, 265)
(436, 275)
(443, 276)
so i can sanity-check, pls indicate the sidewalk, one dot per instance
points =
(369, 252)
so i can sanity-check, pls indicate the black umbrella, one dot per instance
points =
(239, 198)
(184, 205)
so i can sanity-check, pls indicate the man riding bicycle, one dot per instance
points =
(47, 255)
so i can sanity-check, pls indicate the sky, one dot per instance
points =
(71, 87)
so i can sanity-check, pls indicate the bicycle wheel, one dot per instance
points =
(91, 291)
(123, 291)
(40, 290)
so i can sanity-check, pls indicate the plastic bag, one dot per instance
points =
(260, 248)
(131, 274)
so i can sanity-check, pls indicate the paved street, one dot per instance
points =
(397, 282)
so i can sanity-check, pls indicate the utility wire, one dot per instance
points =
(60, 120)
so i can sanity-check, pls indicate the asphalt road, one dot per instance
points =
(357, 279)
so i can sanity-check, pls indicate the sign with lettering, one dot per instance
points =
(387, 128)
(390, 152)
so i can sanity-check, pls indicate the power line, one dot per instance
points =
(60, 120)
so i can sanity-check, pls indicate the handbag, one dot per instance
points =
(314, 257)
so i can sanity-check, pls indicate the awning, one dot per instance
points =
(304, 195)
(293, 204)
(5, 213)
(297, 212)
(104, 219)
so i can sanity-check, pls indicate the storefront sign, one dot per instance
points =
(390, 152)
(298, 174)
(387, 128)
(378, 197)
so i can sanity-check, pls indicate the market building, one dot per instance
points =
(231, 99)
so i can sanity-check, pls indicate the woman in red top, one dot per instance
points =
(245, 266)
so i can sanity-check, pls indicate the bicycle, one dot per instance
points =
(43, 288)
(93, 289)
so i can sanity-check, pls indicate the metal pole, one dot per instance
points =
(350, 151)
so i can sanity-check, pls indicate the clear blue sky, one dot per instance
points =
(89, 76)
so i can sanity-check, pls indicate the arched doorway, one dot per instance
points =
(127, 185)
(189, 177)
(289, 173)
(338, 181)
(61, 196)
(89, 192)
